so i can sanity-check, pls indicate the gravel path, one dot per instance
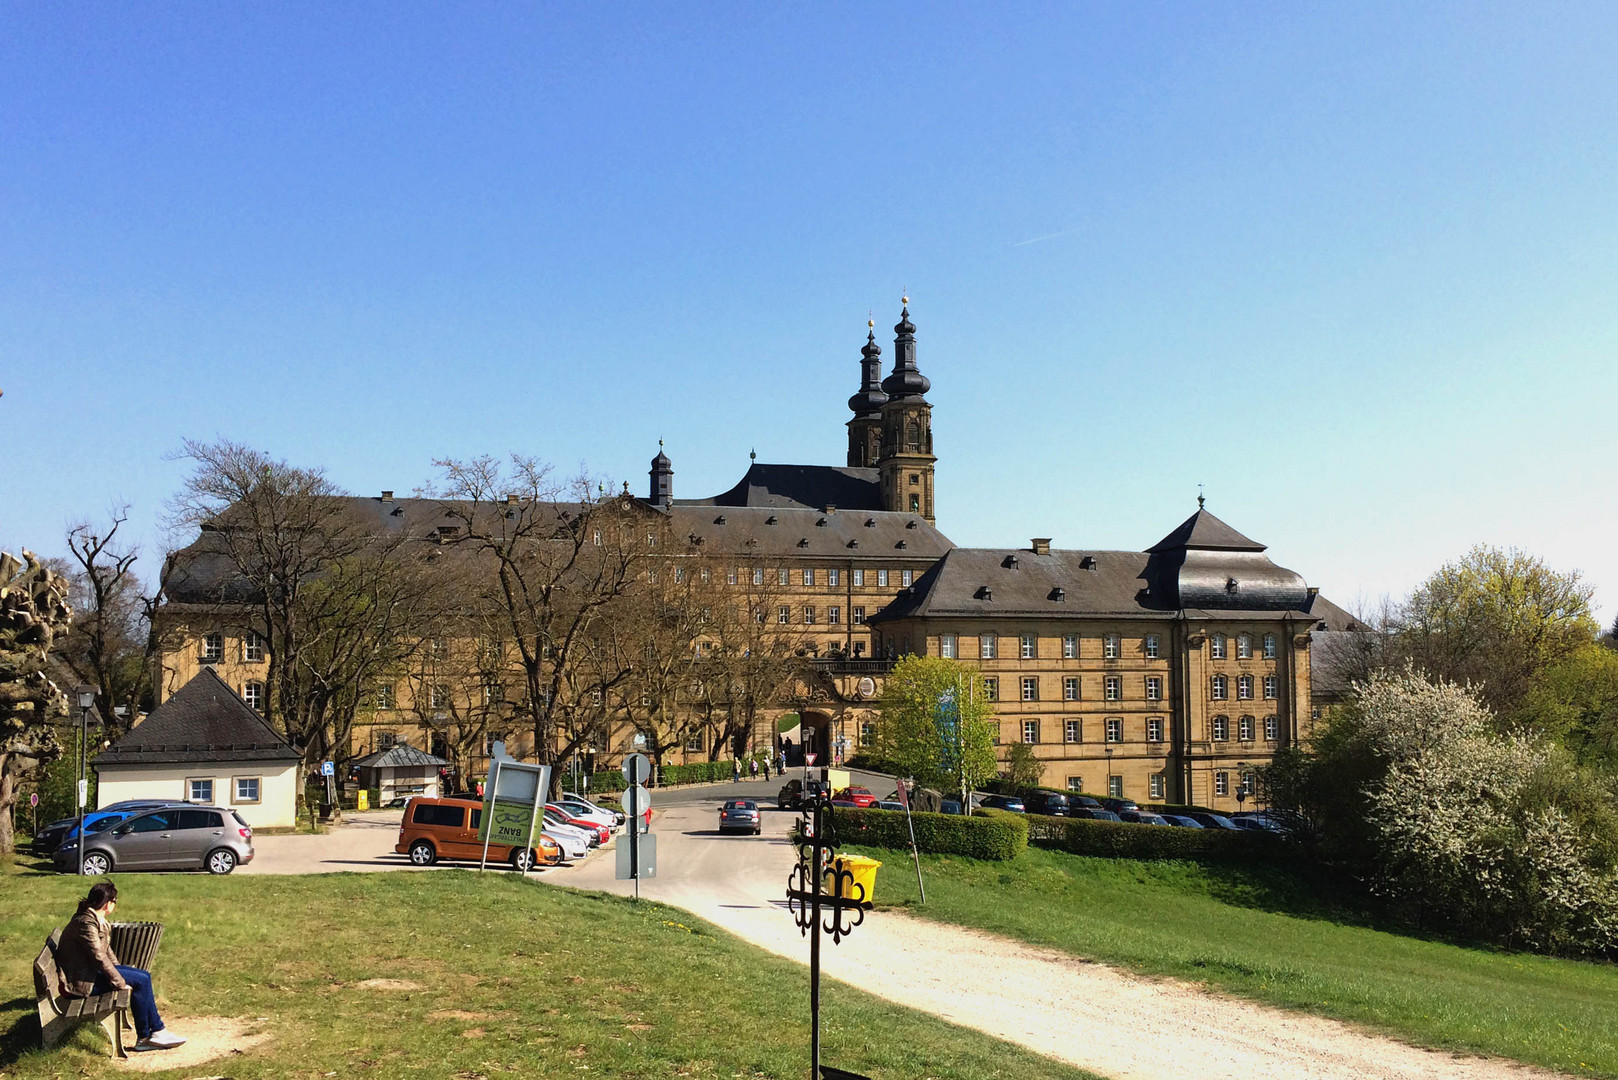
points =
(1120, 1025)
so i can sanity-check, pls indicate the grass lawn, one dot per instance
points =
(1260, 934)
(514, 979)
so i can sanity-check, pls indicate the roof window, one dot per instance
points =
(1009, 562)
(983, 593)
(1058, 594)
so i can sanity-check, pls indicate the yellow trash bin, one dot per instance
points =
(362, 799)
(863, 869)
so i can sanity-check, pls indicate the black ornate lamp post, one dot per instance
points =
(818, 911)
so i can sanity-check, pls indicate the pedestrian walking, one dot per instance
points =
(766, 768)
(735, 772)
(752, 767)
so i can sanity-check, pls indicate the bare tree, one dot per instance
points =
(107, 646)
(758, 655)
(458, 685)
(34, 612)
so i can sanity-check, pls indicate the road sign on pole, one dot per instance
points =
(33, 800)
(637, 769)
(327, 769)
(638, 858)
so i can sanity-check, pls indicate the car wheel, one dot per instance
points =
(221, 861)
(97, 863)
(422, 853)
(758, 830)
(522, 860)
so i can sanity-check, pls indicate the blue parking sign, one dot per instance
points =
(326, 769)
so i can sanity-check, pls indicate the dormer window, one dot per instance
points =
(853, 543)
(900, 544)
(910, 524)
(1058, 594)
(821, 524)
(1230, 584)
(770, 520)
(1009, 562)
(803, 542)
(870, 523)
(1087, 563)
(984, 593)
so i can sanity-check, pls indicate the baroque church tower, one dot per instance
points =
(905, 465)
(865, 430)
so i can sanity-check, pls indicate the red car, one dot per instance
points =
(860, 797)
(566, 817)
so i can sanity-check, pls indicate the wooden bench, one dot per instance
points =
(59, 1014)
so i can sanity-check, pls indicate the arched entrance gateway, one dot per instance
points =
(818, 735)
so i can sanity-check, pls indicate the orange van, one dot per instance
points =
(436, 829)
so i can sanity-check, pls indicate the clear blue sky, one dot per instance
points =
(1353, 267)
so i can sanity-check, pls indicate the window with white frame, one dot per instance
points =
(991, 688)
(1269, 646)
(758, 615)
(808, 615)
(808, 575)
(199, 791)
(438, 696)
(1271, 685)
(253, 694)
(693, 742)
(595, 696)
(1075, 783)
(385, 740)
(1154, 729)
(679, 575)
(1070, 688)
(1073, 730)
(1221, 783)
(1151, 646)
(1154, 688)
(253, 647)
(1030, 688)
(1029, 647)
(1115, 729)
(946, 646)
(859, 615)
(859, 577)
(705, 576)
(1154, 784)
(1111, 647)
(1220, 688)
(730, 576)
(783, 614)
(783, 576)
(384, 695)
(1244, 729)
(596, 538)
(1115, 787)
(1272, 728)
(758, 575)
(247, 788)
(1030, 731)
(1250, 783)
(1244, 646)
(1070, 646)
(1244, 688)
(1216, 646)
(881, 579)
(213, 647)
(834, 615)
(867, 732)
(986, 646)
(1114, 687)
(905, 577)
(833, 575)
(1221, 728)
(651, 574)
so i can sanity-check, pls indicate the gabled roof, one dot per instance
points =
(997, 581)
(807, 486)
(756, 531)
(1204, 532)
(205, 720)
(400, 756)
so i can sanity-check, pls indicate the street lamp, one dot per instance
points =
(87, 700)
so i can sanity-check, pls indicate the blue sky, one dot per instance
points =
(1353, 267)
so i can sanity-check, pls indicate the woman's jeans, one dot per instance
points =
(142, 1005)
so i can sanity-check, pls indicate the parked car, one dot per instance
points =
(618, 815)
(560, 814)
(949, 806)
(859, 796)
(1211, 820)
(1049, 803)
(1140, 817)
(1086, 801)
(573, 843)
(888, 804)
(1004, 802)
(1258, 822)
(143, 804)
(1118, 806)
(1184, 821)
(172, 838)
(850, 804)
(1094, 814)
(435, 829)
(740, 815)
(791, 795)
(600, 815)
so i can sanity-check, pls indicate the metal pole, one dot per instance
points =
(915, 852)
(532, 816)
(634, 833)
(488, 812)
(80, 792)
(814, 953)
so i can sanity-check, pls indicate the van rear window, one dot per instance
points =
(439, 814)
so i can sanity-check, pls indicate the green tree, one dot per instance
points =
(1576, 703)
(936, 723)
(1023, 769)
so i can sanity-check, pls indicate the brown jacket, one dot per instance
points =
(84, 955)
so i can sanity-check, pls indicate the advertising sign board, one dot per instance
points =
(513, 800)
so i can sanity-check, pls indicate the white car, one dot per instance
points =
(592, 812)
(573, 797)
(570, 840)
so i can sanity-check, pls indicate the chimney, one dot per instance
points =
(387, 496)
(1042, 545)
(511, 500)
(831, 508)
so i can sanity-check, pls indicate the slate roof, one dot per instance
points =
(808, 486)
(1204, 532)
(205, 720)
(399, 756)
(863, 535)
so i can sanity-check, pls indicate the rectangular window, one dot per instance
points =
(1221, 784)
(1219, 689)
(199, 791)
(1151, 646)
(905, 577)
(1244, 688)
(1111, 647)
(1221, 728)
(782, 576)
(991, 689)
(758, 575)
(1030, 731)
(1075, 783)
(730, 576)
(1154, 785)
(1070, 647)
(1030, 647)
(946, 646)
(246, 789)
(386, 739)
(833, 575)
(881, 579)
(986, 647)
(705, 576)
(595, 696)
(438, 697)
(758, 615)
(1271, 684)
(1216, 646)
(253, 647)
(1244, 647)
(808, 616)
(859, 615)
(596, 539)
(1244, 729)
(1114, 688)
(253, 694)
(808, 576)
(213, 647)
(867, 732)
(1030, 688)
(384, 696)
(693, 742)
(1115, 730)
(1070, 688)
(1154, 729)
(783, 614)
(679, 575)
(1269, 646)
(859, 577)
(1154, 688)
(1272, 728)
(834, 615)
(1115, 787)
(1073, 730)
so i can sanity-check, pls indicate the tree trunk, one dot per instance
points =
(8, 797)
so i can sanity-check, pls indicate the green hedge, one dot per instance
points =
(989, 834)
(607, 781)
(1122, 840)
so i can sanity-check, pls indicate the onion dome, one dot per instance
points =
(870, 399)
(905, 381)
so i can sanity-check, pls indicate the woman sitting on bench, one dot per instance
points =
(84, 958)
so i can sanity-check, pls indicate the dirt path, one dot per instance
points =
(1120, 1025)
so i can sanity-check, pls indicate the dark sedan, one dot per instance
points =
(1004, 802)
(740, 815)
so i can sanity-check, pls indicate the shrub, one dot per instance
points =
(607, 781)
(991, 834)
(1122, 840)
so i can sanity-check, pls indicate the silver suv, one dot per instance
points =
(170, 838)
